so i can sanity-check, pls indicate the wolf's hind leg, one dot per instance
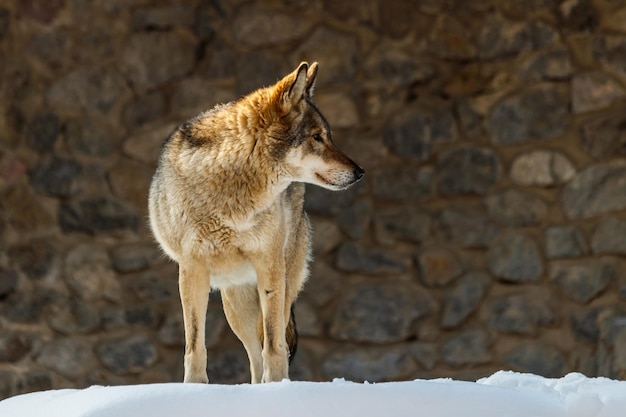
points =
(242, 310)
(194, 287)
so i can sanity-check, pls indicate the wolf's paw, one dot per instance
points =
(196, 377)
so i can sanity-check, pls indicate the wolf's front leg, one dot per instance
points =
(194, 287)
(271, 287)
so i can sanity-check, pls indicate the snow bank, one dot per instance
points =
(504, 394)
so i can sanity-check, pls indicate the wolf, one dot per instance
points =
(227, 204)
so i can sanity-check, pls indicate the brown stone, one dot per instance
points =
(439, 266)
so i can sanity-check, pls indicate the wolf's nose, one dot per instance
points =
(359, 173)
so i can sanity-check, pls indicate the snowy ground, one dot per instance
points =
(504, 394)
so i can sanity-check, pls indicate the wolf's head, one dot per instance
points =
(300, 136)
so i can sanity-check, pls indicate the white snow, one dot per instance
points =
(503, 394)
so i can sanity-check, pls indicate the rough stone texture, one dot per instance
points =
(489, 221)
(515, 258)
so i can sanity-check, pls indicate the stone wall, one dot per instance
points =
(489, 232)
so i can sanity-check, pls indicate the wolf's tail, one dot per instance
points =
(291, 334)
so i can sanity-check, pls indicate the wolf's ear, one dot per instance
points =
(297, 88)
(311, 75)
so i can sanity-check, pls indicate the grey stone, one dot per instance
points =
(370, 364)
(323, 284)
(549, 65)
(402, 183)
(95, 215)
(585, 326)
(7, 378)
(500, 38)
(609, 236)
(564, 242)
(336, 52)
(522, 312)
(596, 190)
(50, 48)
(468, 170)
(22, 210)
(355, 220)
(56, 176)
(41, 12)
(603, 135)
(438, 266)
(515, 257)
(130, 182)
(88, 273)
(338, 109)
(150, 59)
(467, 226)
(195, 95)
(404, 223)
(73, 317)
(155, 287)
(130, 316)
(426, 354)
(35, 257)
(86, 136)
(14, 346)
(326, 235)
(301, 368)
(542, 168)
(323, 201)
(26, 307)
(90, 90)
(259, 27)
(537, 358)
(172, 331)
(127, 355)
(68, 357)
(515, 208)
(379, 313)
(4, 22)
(398, 68)
(579, 16)
(163, 17)
(397, 18)
(609, 50)
(43, 132)
(464, 298)
(470, 347)
(583, 280)
(308, 323)
(413, 132)
(33, 381)
(353, 257)
(144, 109)
(218, 61)
(448, 39)
(228, 367)
(538, 112)
(594, 90)
(134, 257)
(258, 69)
(145, 146)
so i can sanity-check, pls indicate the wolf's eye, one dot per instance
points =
(318, 138)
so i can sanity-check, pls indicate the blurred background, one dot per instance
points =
(489, 232)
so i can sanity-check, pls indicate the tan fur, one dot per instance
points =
(226, 203)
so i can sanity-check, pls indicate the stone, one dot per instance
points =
(467, 170)
(609, 50)
(595, 190)
(402, 183)
(26, 307)
(565, 242)
(95, 215)
(470, 347)
(336, 52)
(339, 109)
(88, 90)
(326, 235)
(355, 220)
(43, 132)
(22, 210)
(33, 381)
(7, 378)
(35, 257)
(86, 136)
(4, 22)
(127, 355)
(549, 65)
(500, 38)
(163, 17)
(323, 284)
(514, 257)
(398, 18)
(258, 69)
(259, 27)
(522, 312)
(380, 313)
(514, 208)
(583, 280)
(538, 112)
(609, 236)
(448, 39)
(403, 223)
(150, 59)
(537, 358)
(42, 11)
(413, 132)
(50, 48)
(585, 326)
(578, 15)
(128, 317)
(368, 364)
(323, 201)
(218, 61)
(542, 168)
(438, 266)
(8, 282)
(426, 354)
(14, 346)
(603, 135)
(73, 317)
(308, 323)
(172, 331)
(467, 226)
(134, 257)
(145, 146)
(464, 298)
(68, 357)
(56, 176)
(593, 91)
(353, 257)
(399, 69)
(130, 182)
(192, 96)
(228, 367)
(144, 108)
(151, 287)
(88, 273)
